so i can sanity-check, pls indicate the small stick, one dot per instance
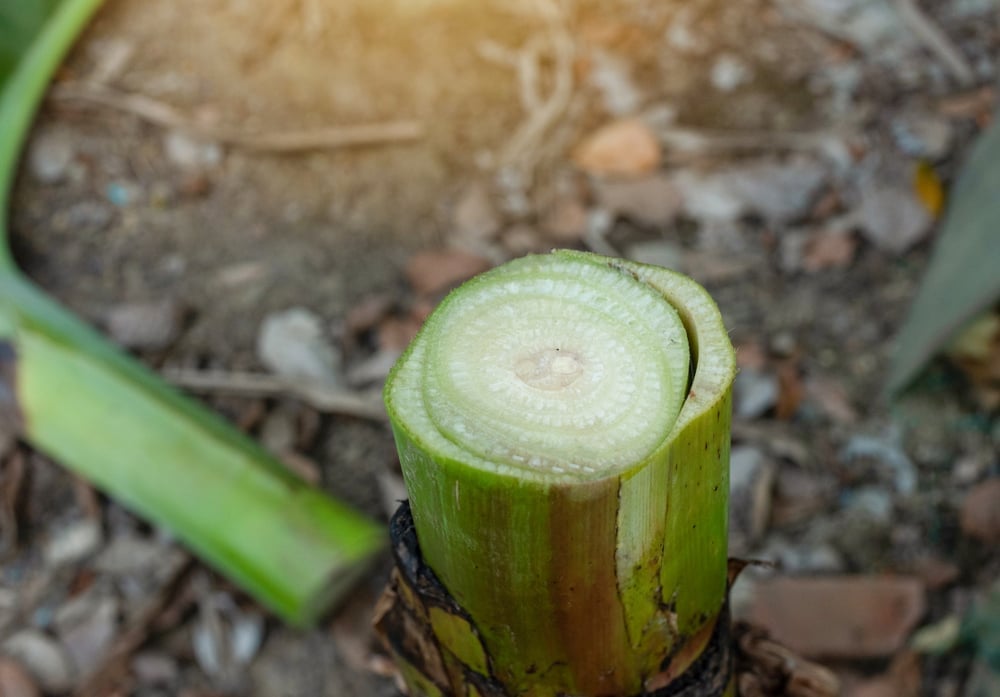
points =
(936, 41)
(326, 399)
(162, 114)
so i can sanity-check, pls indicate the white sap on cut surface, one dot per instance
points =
(555, 365)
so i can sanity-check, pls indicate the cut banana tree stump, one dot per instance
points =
(563, 427)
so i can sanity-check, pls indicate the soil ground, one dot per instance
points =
(231, 235)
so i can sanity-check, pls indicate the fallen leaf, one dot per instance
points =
(892, 217)
(961, 280)
(928, 187)
(839, 616)
(790, 390)
(980, 515)
(431, 272)
(902, 679)
(626, 147)
(15, 680)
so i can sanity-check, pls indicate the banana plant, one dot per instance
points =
(563, 426)
(72, 395)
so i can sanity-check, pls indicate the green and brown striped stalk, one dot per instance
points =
(72, 395)
(562, 423)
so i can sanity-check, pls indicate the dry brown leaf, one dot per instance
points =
(980, 515)
(840, 616)
(431, 272)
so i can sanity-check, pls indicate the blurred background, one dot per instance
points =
(242, 192)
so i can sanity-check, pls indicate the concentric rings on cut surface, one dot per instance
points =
(556, 365)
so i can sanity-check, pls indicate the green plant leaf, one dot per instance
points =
(963, 278)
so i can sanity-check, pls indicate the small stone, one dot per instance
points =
(73, 543)
(729, 72)
(42, 657)
(474, 217)
(626, 147)
(191, 153)
(892, 218)
(84, 217)
(980, 515)
(291, 343)
(609, 76)
(15, 680)
(779, 191)
(145, 326)
(750, 485)
(654, 200)
(129, 555)
(154, 668)
(278, 431)
(754, 393)
(50, 156)
(871, 503)
(848, 617)
(923, 134)
(431, 272)
(89, 636)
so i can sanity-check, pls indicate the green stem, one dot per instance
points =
(100, 413)
(568, 482)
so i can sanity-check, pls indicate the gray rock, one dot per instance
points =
(73, 543)
(754, 393)
(780, 192)
(920, 133)
(145, 326)
(892, 218)
(84, 217)
(654, 200)
(190, 153)
(292, 344)
(43, 657)
(155, 668)
(50, 156)
(729, 72)
(88, 635)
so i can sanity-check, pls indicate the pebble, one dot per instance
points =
(50, 156)
(780, 192)
(729, 72)
(129, 555)
(73, 543)
(872, 503)
(980, 513)
(474, 217)
(892, 218)
(626, 148)
(84, 217)
(191, 153)
(860, 616)
(145, 326)
(566, 221)
(155, 668)
(278, 432)
(653, 201)
(754, 393)
(923, 134)
(751, 482)
(291, 343)
(42, 657)
(90, 634)
(609, 76)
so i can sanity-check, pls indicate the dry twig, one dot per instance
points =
(162, 114)
(325, 399)
(936, 41)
